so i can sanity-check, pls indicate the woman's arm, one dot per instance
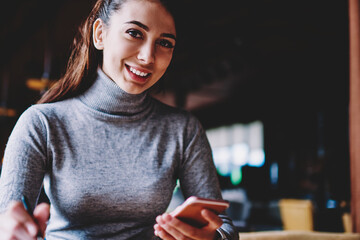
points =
(25, 160)
(22, 173)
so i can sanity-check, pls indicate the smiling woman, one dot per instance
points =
(128, 37)
(94, 140)
(130, 48)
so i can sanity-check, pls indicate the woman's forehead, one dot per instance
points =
(150, 13)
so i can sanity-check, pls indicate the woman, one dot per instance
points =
(108, 154)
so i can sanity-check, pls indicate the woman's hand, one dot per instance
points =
(16, 223)
(170, 228)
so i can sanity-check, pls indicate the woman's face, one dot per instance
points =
(137, 44)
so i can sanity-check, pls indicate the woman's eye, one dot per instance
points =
(166, 43)
(134, 33)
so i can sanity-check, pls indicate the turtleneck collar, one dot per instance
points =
(106, 96)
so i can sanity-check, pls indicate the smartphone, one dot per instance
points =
(190, 210)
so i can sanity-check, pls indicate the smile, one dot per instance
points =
(138, 73)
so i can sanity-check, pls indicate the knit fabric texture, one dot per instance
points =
(109, 162)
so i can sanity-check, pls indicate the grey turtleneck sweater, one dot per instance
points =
(109, 162)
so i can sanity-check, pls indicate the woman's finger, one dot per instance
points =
(17, 212)
(10, 228)
(164, 235)
(41, 214)
(175, 227)
(213, 219)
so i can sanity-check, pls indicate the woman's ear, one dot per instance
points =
(98, 34)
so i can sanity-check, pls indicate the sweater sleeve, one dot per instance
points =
(24, 162)
(198, 175)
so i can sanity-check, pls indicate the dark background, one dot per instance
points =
(284, 63)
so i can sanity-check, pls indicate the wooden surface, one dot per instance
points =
(298, 235)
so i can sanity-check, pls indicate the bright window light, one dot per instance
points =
(240, 152)
(236, 146)
(256, 158)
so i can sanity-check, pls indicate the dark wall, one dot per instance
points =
(293, 77)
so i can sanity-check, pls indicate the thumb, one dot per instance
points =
(214, 220)
(42, 214)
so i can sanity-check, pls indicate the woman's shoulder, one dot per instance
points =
(46, 109)
(34, 120)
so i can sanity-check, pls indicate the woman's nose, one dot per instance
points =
(147, 53)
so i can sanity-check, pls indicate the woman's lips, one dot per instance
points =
(137, 74)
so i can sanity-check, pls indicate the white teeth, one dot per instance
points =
(137, 72)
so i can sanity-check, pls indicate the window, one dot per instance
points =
(236, 146)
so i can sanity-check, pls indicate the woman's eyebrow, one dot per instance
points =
(168, 35)
(146, 28)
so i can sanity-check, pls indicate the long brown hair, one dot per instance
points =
(82, 63)
(85, 58)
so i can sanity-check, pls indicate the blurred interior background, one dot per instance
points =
(268, 79)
